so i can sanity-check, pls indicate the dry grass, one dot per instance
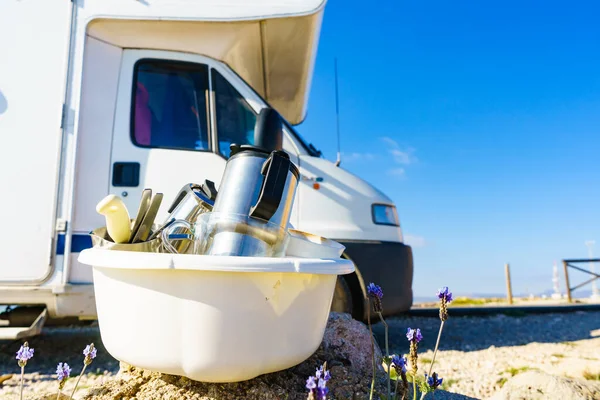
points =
(591, 376)
(514, 371)
(468, 301)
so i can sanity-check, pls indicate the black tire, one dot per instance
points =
(342, 297)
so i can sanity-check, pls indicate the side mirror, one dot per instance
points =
(268, 131)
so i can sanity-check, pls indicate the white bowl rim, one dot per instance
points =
(157, 261)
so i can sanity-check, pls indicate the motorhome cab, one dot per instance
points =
(114, 96)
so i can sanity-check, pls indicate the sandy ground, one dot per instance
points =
(53, 346)
(477, 353)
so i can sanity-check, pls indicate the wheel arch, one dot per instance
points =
(358, 290)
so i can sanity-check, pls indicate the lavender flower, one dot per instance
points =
(414, 335)
(322, 389)
(90, 353)
(399, 364)
(433, 381)
(322, 373)
(374, 292)
(445, 296)
(62, 374)
(317, 385)
(24, 354)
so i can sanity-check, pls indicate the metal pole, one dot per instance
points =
(566, 267)
(555, 282)
(508, 283)
(590, 245)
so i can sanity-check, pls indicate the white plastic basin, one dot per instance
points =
(211, 318)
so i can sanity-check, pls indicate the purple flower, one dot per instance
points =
(90, 353)
(414, 335)
(24, 354)
(319, 372)
(433, 381)
(317, 384)
(399, 363)
(62, 371)
(322, 389)
(374, 291)
(445, 294)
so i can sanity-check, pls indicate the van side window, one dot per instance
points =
(169, 105)
(235, 118)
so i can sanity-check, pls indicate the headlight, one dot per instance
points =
(384, 214)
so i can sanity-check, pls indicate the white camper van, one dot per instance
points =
(105, 97)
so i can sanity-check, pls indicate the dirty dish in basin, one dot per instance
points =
(304, 244)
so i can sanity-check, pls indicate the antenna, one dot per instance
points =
(337, 116)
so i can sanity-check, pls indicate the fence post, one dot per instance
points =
(566, 267)
(508, 283)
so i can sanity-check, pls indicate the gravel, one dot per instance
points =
(477, 354)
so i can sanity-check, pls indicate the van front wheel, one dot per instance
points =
(342, 297)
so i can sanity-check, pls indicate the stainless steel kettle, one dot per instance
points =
(258, 183)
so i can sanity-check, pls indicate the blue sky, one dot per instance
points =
(485, 117)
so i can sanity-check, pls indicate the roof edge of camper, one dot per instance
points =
(271, 46)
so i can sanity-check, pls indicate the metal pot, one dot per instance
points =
(191, 201)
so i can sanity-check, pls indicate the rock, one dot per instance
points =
(539, 385)
(346, 348)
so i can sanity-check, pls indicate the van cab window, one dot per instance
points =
(235, 118)
(169, 105)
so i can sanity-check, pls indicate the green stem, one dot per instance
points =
(58, 395)
(387, 357)
(437, 343)
(414, 387)
(22, 373)
(372, 348)
(396, 388)
(423, 395)
(77, 383)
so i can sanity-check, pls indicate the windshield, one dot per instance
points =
(310, 149)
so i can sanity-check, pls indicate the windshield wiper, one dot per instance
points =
(316, 152)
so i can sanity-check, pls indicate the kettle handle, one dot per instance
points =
(275, 171)
(182, 193)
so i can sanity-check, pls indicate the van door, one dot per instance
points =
(176, 116)
(161, 137)
(34, 46)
